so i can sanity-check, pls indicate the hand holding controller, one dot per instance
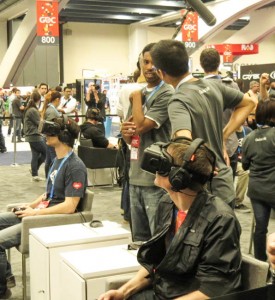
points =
(15, 209)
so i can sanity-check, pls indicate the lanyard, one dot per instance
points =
(60, 166)
(185, 79)
(153, 92)
(64, 105)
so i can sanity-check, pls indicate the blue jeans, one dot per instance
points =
(38, 156)
(262, 213)
(10, 236)
(50, 155)
(144, 201)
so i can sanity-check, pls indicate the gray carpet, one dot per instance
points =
(21, 157)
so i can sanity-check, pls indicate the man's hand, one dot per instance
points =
(264, 79)
(112, 295)
(26, 212)
(271, 249)
(128, 129)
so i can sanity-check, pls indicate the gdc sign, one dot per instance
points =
(47, 20)
(190, 27)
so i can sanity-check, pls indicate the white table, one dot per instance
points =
(48, 242)
(85, 274)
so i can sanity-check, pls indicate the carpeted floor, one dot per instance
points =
(21, 158)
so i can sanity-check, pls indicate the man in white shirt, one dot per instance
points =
(68, 103)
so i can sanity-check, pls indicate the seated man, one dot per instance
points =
(65, 188)
(194, 252)
(91, 130)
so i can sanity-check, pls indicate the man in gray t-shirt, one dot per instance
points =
(148, 123)
(196, 108)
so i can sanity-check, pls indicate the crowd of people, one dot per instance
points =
(189, 139)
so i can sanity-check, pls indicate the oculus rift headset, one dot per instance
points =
(62, 131)
(93, 113)
(157, 159)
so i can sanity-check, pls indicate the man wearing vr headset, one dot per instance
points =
(195, 251)
(197, 106)
(90, 130)
(65, 188)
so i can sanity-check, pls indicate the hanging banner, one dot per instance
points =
(237, 49)
(227, 55)
(189, 29)
(47, 22)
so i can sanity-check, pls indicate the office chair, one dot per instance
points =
(84, 215)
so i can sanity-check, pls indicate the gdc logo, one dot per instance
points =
(47, 20)
(190, 27)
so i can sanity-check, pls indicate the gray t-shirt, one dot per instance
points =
(198, 107)
(51, 113)
(156, 110)
(259, 158)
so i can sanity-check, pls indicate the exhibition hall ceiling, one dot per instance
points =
(122, 11)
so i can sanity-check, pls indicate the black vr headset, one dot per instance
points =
(49, 128)
(156, 159)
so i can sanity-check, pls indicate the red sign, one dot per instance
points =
(47, 22)
(189, 29)
(237, 49)
(227, 55)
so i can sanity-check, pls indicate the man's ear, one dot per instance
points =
(161, 74)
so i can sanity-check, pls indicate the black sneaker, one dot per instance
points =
(242, 208)
(4, 150)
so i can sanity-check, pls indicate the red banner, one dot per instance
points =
(237, 49)
(227, 55)
(47, 22)
(190, 29)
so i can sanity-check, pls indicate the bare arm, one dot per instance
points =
(239, 115)
(182, 132)
(263, 91)
(139, 282)
(142, 123)
(66, 207)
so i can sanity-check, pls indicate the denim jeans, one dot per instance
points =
(50, 155)
(144, 201)
(38, 156)
(146, 294)
(10, 236)
(262, 213)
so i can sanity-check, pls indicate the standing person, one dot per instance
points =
(3, 148)
(259, 158)
(17, 112)
(196, 108)
(67, 103)
(65, 189)
(243, 176)
(95, 99)
(195, 251)
(254, 89)
(11, 97)
(147, 124)
(210, 62)
(42, 90)
(49, 113)
(35, 139)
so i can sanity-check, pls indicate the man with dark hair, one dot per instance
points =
(195, 250)
(65, 188)
(91, 130)
(196, 108)
(67, 103)
(148, 123)
(42, 90)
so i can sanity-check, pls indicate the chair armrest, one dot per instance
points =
(49, 220)
(115, 282)
(13, 205)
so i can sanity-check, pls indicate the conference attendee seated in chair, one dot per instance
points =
(195, 251)
(65, 188)
(91, 130)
